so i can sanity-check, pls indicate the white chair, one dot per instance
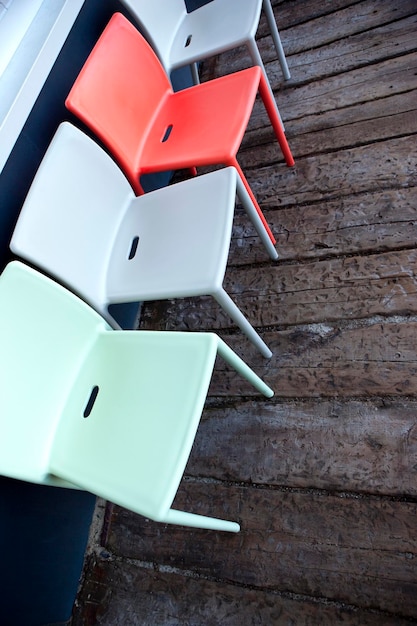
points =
(182, 38)
(82, 223)
(112, 412)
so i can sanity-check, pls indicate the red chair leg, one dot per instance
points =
(275, 121)
(254, 200)
(137, 187)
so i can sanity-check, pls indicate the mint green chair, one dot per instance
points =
(109, 411)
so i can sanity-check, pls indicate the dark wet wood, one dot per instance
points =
(291, 541)
(353, 287)
(189, 601)
(349, 445)
(322, 477)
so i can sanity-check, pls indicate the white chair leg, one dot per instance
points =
(194, 73)
(252, 213)
(199, 521)
(257, 60)
(243, 368)
(276, 38)
(237, 316)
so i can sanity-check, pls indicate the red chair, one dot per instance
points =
(124, 95)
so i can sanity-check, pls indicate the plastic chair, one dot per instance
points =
(183, 38)
(123, 94)
(82, 223)
(111, 412)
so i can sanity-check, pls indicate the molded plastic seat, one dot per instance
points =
(111, 412)
(124, 95)
(82, 223)
(183, 38)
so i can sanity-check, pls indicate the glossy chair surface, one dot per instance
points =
(123, 94)
(183, 38)
(82, 223)
(111, 412)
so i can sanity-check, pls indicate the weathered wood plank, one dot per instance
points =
(374, 184)
(390, 164)
(372, 358)
(361, 551)
(318, 50)
(344, 446)
(363, 223)
(324, 291)
(126, 594)
(335, 53)
(381, 122)
(358, 86)
(372, 110)
(328, 49)
(289, 14)
(313, 24)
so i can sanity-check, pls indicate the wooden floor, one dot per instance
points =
(322, 477)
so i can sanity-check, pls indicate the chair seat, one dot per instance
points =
(186, 254)
(158, 408)
(213, 114)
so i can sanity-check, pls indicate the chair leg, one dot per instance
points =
(236, 165)
(237, 316)
(137, 187)
(243, 368)
(253, 215)
(194, 73)
(257, 60)
(199, 521)
(269, 14)
(270, 106)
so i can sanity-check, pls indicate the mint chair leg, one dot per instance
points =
(244, 370)
(193, 520)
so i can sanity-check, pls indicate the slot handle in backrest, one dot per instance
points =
(133, 248)
(167, 133)
(91, 401)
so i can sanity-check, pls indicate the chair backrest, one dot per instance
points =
(147, 393)
(159, 21)
(46, 334)
(72, 213)
(119, 90)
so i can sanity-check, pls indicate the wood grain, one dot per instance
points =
(316, 544)
(119, 586)
(328, 290)
(351, 445)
